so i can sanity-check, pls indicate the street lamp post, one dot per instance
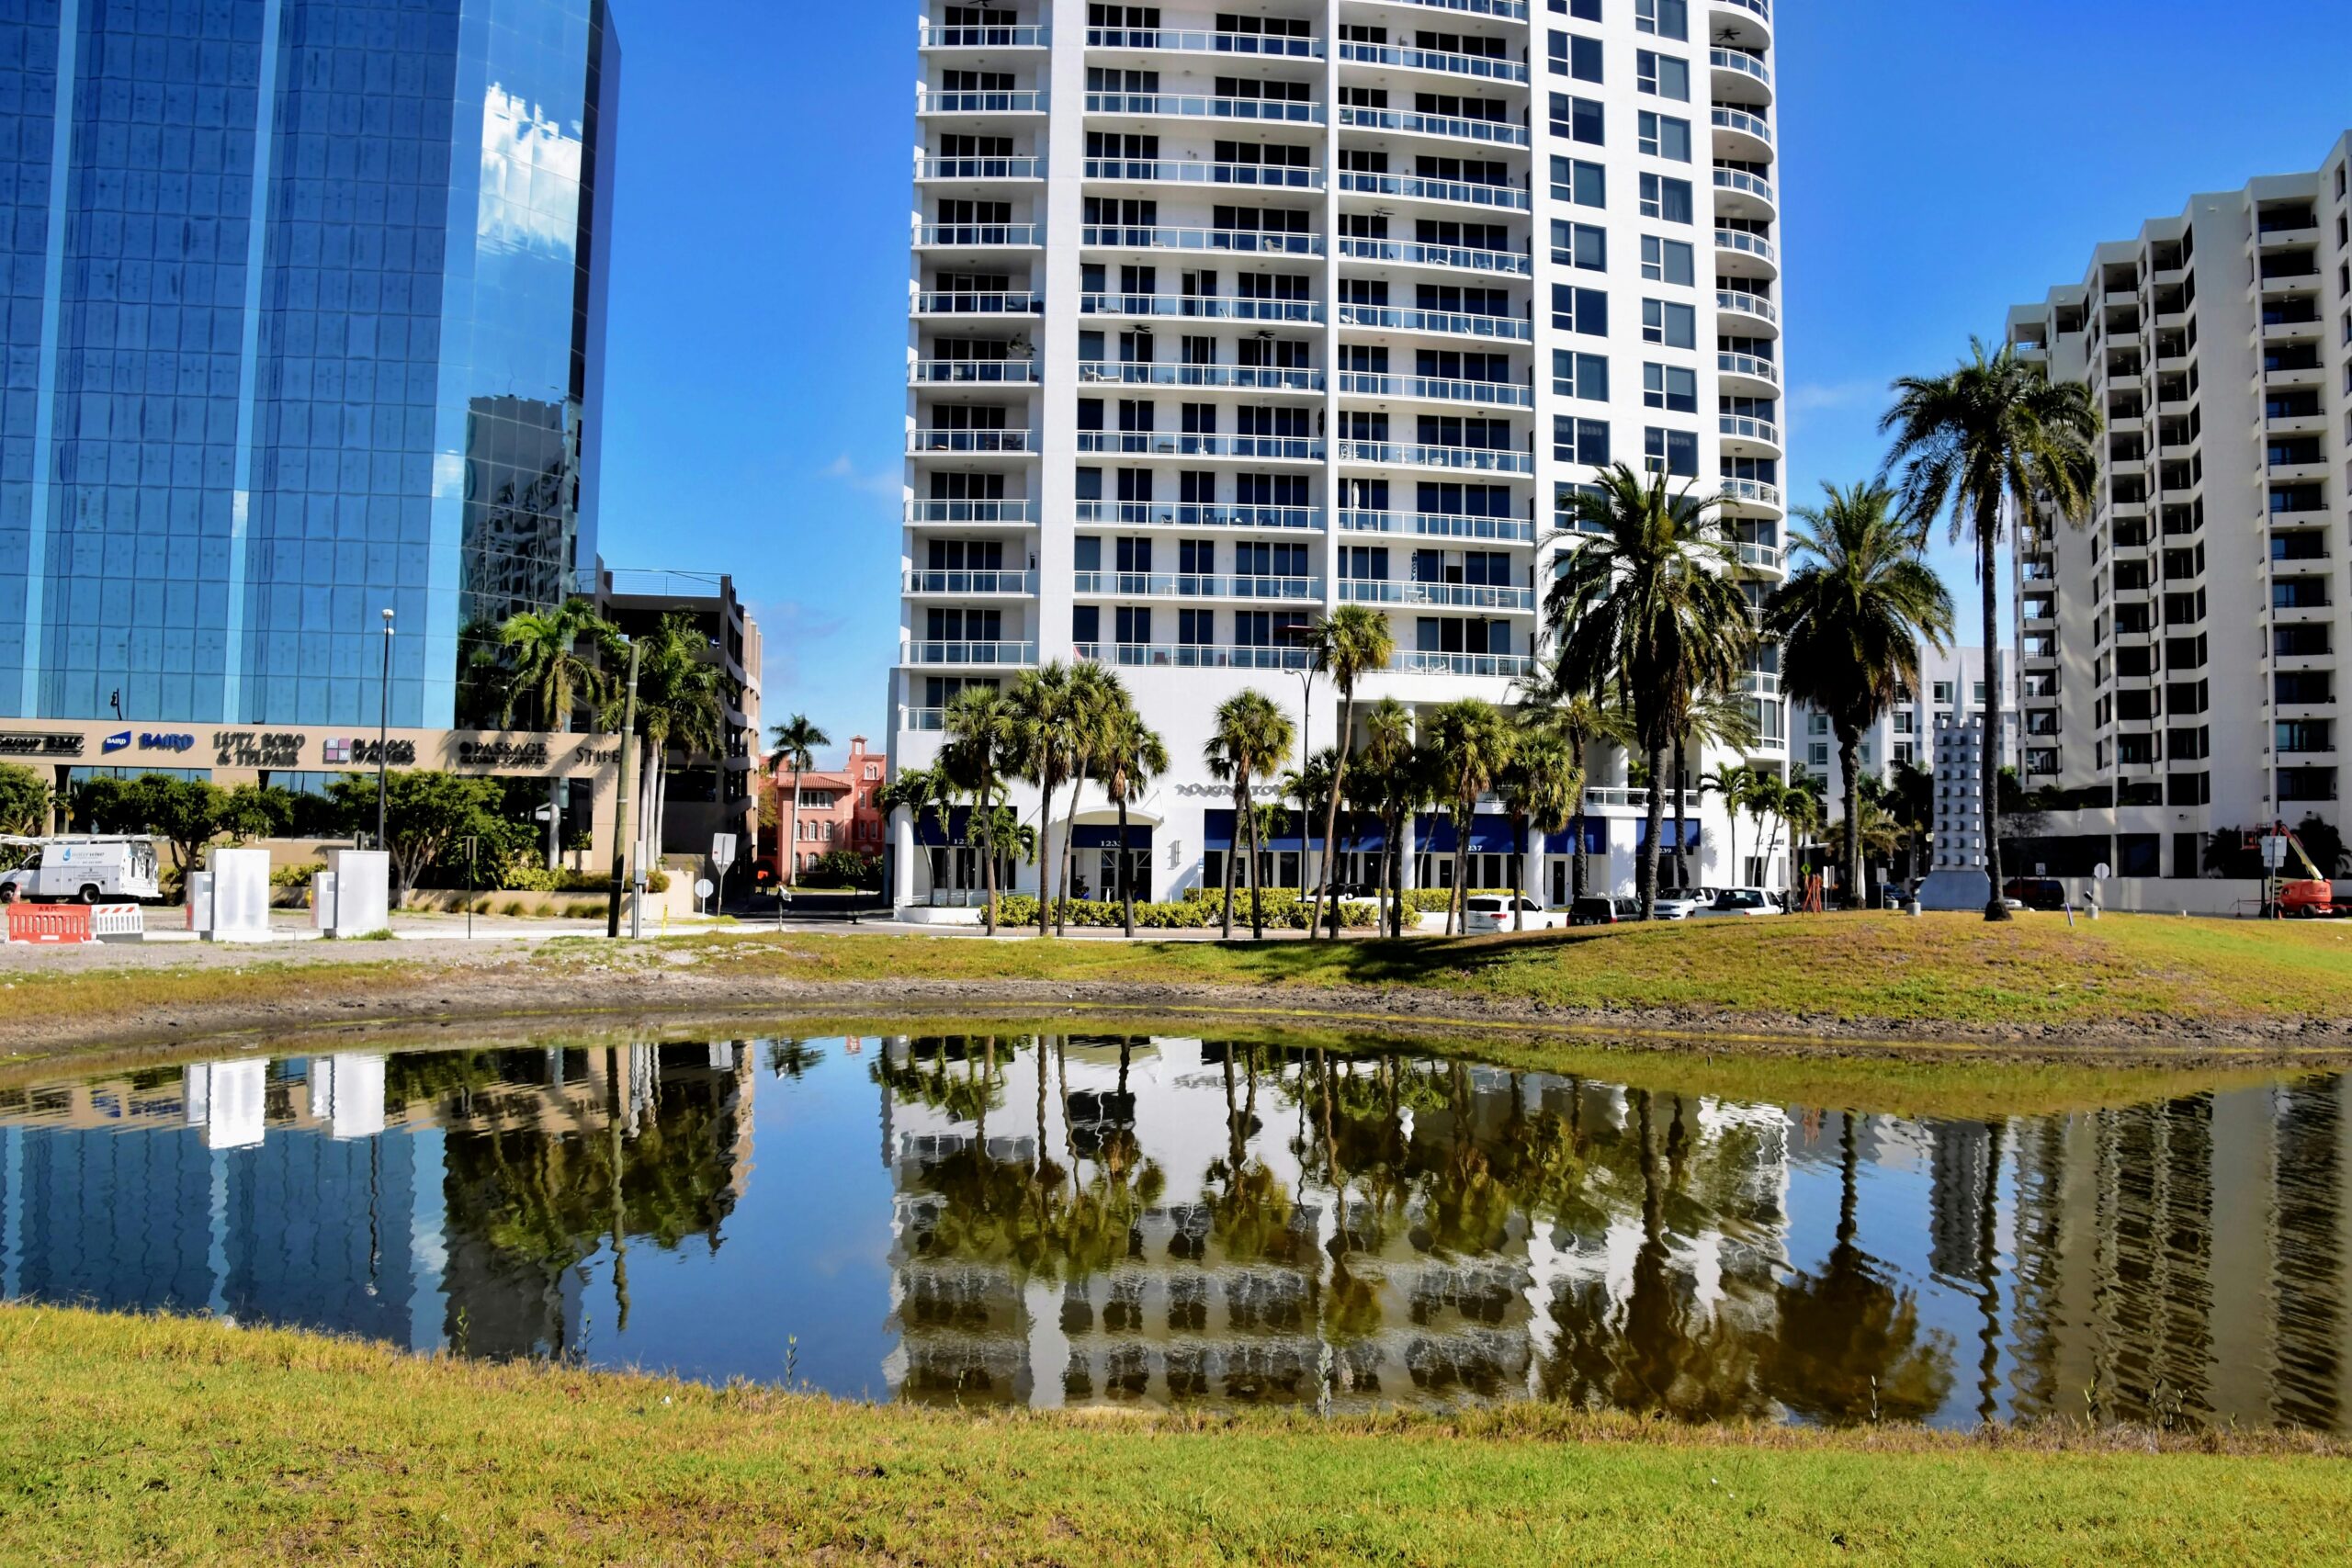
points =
(383, 728)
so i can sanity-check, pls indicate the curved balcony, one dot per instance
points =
(1192, 655)
(1440, 323)
(1440, 525)
(1018, 514)
(1434, 389)
(1752, 493)
(1451, 595)
(1403, 57)
(1199, 307)
(1494, 666)
(1742, 134)
(969, 238)
(1447, 258)
(974, 171)
(1016, 37)
(1229, 377)
(1189, 585)
(1166, 41)
(1739, 194)
(1748, 368)
(1191, 514)
(1745, 436)
(1738, 77)
(1186, 171)
(1745, 23)
(930, 443)
(934, 103)
(1508, 10)
(1739, 253)
(970, 585)
(1417, 455)
(1451, 128)
(1753, 313)
(970, 653)
(972, 373)
(965, 302)
(1763, 558)
(1760, 683)
(1177, 444)
(1199, 105)
(1238, 242)
(1451, 193)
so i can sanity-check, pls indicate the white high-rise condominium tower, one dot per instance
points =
(2178, 652)
(1224, 317)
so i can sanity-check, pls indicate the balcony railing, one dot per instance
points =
(1193, 656)
(1745, 121)
(1413, 253)
(1746, 65)
(1200, 307)
(979, 168)
(1751, 492)
(1005, 37)
(971, 653)
(1515, 329)
(1766, 557)
(924, 442)
(973, 372)
(922, 718)
(1485, 67)
(1747, 364)
(973, 302)
(1456, 595)
(1184, 172)
(1493, 132)
(1740, 239)
(1241, 377)
(1417, 187)
(1513, 10)
(1253, 241)
(969, 581)
(1014, 514)
(1440, 525)
(1755, 305)
(1192, 585)
(1500, 666)
(1192, 514)
(1416, 455)
(981, 236)
(1748, 427)
(1018, 100)
(1746, 183)
(1189, 41)
(1761, 7)
(1492, 394)
(1197, 105)
(1177, 443)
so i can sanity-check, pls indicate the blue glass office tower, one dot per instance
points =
(303, 309)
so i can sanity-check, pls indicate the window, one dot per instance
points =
(1577, 310)
(1582, 10)
(1670, 387)
(1666, 18)
(1581, 245)
(1667, 200)
(1674, 452)
(1576, 120)
(1577, 57)
(1818, 756)
(1581, 375)
(1584, 184)
(1943, 694)
(1675, 326)
(1580, 440)
(1666, 261)
(1816, 724)
(1664, 136)
(1662, 74)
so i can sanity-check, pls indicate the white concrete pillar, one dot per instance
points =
(1409, 847)
(902, 857)
(1532, 870)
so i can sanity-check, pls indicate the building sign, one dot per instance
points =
(353, 752)
(591, 757)
(20, 743)
(1225, 791)
(502, 754)
(146, 741)
(257, 748)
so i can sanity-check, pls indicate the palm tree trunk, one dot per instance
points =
(1518, 879)
(1850, 742)
(1257, 899)
(988, 846)
(1069, 851)
(1681, 816)
(1731, 818)
(1126, 871)
(789, 870)
(1233, 849)
(1045, 851)
(1995, 907)
(1646, 880)
(1397, 873)
(1577, 854)
(1330, 886)
(1457, 909)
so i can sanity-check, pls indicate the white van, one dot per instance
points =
(85, 869)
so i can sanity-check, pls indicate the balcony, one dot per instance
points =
(1751, 492)
(1453, 596)
(970, 585)
(1200, 307)
(968, 237)
(1442, 323)
(930, 37)
(1191, 585)
(1183, 171)
(1440, 525)
(1191, 514)
(1763, 558)
(965, 171)
(1452, 258)
(987, 443)
(1228, 377)
(1747, 429)
(931, 102)
(1416, 187)
(1451, 128)
(1174, 444)
(1493, 666)
(972, 373)
(1741, 133)
(1198, 105)
(922, 718)
(1405, 58)
(1409, 455)
(972, 513)
(1424, 388)
(1758, 307)
(1193, 656)
(969, 302)
(1240, 242)
(1735, 71)
(1748, 368)
(970, 653)
(1739, 253)
(1259, 46)
(1509, 10)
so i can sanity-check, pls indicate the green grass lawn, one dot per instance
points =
(183, 1441)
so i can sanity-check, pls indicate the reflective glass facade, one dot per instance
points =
(304, 320)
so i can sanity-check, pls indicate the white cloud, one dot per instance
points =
(530, 178)
(1814, 397)
(890, 483)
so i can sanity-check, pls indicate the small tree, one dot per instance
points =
(24, 807)
(425, 816)
(187, 812)
(249, 811)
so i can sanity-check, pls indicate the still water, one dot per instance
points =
(1157, 1219)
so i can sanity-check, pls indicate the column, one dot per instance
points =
(902, 858)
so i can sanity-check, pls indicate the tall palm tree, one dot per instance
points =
(1648, 604)
(1388, 756)
(1738, 783)
(1307, 785)
(1849, 621)
(1248, 739)
(1541, 789)
(1716, 717)
(922, 791)
(1473, 743)
(1097, 700)
(1997, 431)
(981, 730)
(796, 741)
(1043, 710)
(551, 670)
(1133, 755)
(1767, 798)
(1354, 641)
(682, 700)
(1580, 719)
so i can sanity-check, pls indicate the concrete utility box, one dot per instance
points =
(363, 883)
(322, 902)
(199, 902)
(240, 896)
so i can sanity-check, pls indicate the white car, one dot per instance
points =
(1491, 914)
(1680, 906)
(1743, 901)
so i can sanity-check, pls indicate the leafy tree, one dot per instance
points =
(681, 701)
(1849, 621)
(1471, 743)
(1133, 755)
(921, 793)
(981, 736)
(187, 812)
(1995, 434)
(1541, 789)
(1044, 713)
(426, 816)
(1098, 701)
(249, 811)
(550, 673)
(1716, 717)
(846, 868)
(796, 742)
(24, 800)
(1390, 759)
(1354, 641)
(1248, 739)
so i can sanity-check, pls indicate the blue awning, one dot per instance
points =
(1105, 836)
(1490, 834)
(1596, 838)
(927, 829)
(1691, 839)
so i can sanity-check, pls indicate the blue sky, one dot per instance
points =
(1939, 163)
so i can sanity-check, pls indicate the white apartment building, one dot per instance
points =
(1951, 685)
(1224, 316)
(2179, 652)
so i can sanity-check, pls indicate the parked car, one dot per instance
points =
(1495, 914)
(2036, 892)
(1602, 911)
(1682, 905)
(1743, 901)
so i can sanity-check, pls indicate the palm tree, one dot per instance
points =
(981, 728)
(1739, 784)
(1389, 757)
(1719, 719)
(1580, 719)
(1767, 797)
(1997, 430)
(551, 673)
(1249, 738)
(682, 701)
(796, 741)
(1648, 604)
(1473, 743)
(922, 791)
(1541, 789)
(1850, 620)
(1097, 699)
(1043, 711)
(1306, 785)
(1354, 641)
(1132, 756)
